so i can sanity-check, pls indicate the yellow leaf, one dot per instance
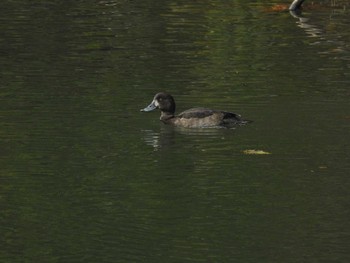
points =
(255, 152)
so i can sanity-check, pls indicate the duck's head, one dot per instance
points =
(163, 101)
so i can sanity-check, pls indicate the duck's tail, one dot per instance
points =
(232, 119)
(244, 122)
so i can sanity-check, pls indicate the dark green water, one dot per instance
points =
(86, 177)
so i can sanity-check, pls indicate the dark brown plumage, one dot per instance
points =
(192, 118)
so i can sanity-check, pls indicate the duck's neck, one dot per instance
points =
(166, 116)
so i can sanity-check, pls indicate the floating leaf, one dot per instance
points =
(255, 152)
(276, 8)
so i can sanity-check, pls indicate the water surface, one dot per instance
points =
(86, 177)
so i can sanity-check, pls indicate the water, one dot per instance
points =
(86, 177)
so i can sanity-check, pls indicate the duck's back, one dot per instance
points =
(196, 113)
(203, 117)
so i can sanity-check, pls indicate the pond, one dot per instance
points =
(87, 177)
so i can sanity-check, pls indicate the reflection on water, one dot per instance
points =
(152, 138)
(311, 30)
(85, 177)
(325, 36)
(167, 134)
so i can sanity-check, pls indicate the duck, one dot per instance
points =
(192, 118)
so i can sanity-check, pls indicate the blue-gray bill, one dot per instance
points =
(150, 107)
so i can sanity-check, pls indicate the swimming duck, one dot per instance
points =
(192, 118)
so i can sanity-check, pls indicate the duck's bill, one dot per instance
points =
(150, 107)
